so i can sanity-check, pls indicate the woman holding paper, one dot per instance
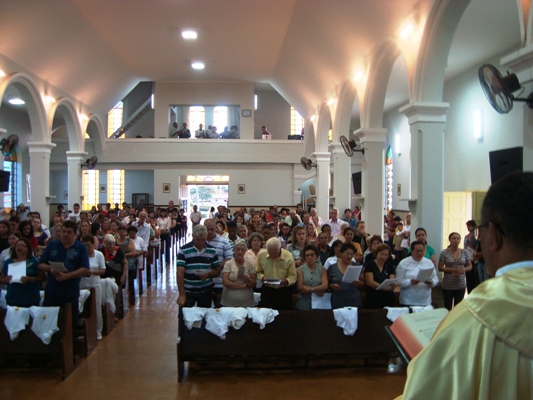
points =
(416, 276)
(238, 278)
(345, 290)
(454, 262)
(311, 278)
(376, 272)
(23, 276)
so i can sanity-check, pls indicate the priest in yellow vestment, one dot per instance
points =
(483, 349)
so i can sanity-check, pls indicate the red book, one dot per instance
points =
(414, 331)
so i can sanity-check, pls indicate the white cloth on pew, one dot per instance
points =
(84, 295)
(193, 316)
(262, 316)
(394, 312)
(346, 319)
(417, 309)
(109, 290)
(218, 320)
(3, 303)
(238, 318)
(257, 298)
(44, 322)
(16, 320)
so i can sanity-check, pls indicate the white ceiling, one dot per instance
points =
(98, 50)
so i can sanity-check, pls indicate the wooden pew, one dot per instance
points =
(28, 345)
(88, 317)
(109, 319)
(141, 276)
(302, 335)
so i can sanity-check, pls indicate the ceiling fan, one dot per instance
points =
(90, 163)
(307, 163)
(499, 90)
(8, 144)
(350, 146)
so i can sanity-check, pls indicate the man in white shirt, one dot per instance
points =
(75, 215)
(173, 132)
(196, 216)
(200, 132)
(334, 222)
(144, 230)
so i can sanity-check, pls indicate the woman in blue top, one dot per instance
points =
(26, 292)
(422, 236)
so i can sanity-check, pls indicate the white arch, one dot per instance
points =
(323, 124)
(433, 54)
(66, 108)
(309, 138)
(34, 104)
(98, 137)
(343, 113)
(381, 66)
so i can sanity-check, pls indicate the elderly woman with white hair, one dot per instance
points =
(238, 278)
(116, 265)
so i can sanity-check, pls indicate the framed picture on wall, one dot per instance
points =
(241, 188)
(103, 188)
(166, 187)
(246, 113)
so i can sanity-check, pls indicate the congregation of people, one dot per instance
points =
(291, 258)
(201, 133)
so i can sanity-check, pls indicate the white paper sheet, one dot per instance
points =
(387, 284)
(58, 266)
(321, 302)
(352, 273)
(424, 274)
(17, 271)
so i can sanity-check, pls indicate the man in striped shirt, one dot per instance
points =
(197, 264)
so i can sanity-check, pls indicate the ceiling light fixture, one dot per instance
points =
(16, 101)
(358, 76)
(50, 99)
(189, 34)
(198, 65)
(331, 101)
(2, 73)
(84, 117)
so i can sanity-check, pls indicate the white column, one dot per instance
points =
(342, 178)
(40, 178)
(322, 183)
(75, 192)
(428, 124)
(373, 177)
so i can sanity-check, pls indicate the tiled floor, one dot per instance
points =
(138, 361)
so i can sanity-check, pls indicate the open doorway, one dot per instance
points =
(207, 196)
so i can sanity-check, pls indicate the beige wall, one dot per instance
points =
(208, 93)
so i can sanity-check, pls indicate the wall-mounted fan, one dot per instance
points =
(350, 146)
(8, 144)
(307, 163)
(499, 90)
(90, 163)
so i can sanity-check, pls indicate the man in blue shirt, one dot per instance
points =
(348, 217)
(64, 287)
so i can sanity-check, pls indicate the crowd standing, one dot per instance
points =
(296, 255)
(289, 255)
